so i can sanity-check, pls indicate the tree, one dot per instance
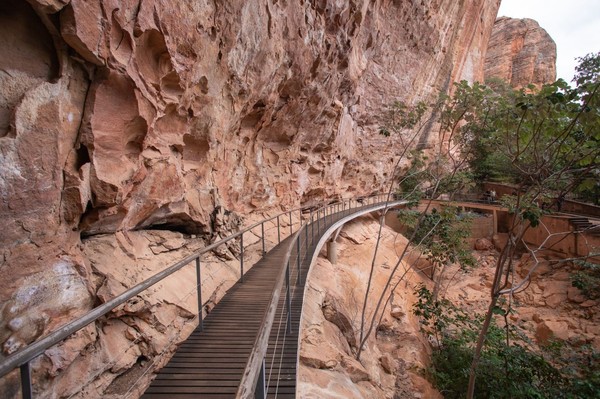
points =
(418, 175)
(545, 141)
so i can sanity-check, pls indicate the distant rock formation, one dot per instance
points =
(520, 52)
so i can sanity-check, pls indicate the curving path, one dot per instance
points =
(216, 361)
(248, 345)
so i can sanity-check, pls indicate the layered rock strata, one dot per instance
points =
(124, 115)
(521, 53)
(395, 352)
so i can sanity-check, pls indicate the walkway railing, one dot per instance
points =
(304, 248)
(22, 358)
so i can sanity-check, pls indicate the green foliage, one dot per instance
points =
(411, 183)
(587, 279)
(545, 139)
(527, 206)
(440, 316)
(440, 235)
(580, 367)
(399, 116)
(588, 70)
(508, 368)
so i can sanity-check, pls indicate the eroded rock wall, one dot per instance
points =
(394, 352)
(124, 115)
(520, 52)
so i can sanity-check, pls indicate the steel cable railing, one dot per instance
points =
(326, 218)
(22, 358)
(255, 369)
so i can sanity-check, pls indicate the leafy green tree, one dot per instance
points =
(546, 141)
(529, 137)
(441, 236)
(417, 176)
(509, 369)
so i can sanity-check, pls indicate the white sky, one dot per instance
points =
(573, 24)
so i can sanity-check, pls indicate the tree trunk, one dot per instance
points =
(480, 342)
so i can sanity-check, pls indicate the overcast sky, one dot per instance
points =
(573, 24)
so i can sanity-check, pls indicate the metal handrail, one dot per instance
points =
(38, 347)
(22, 358)
(259, 351)
(255, 364)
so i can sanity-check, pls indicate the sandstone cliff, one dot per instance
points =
(394, 354)
(520, 52)
(126, 115)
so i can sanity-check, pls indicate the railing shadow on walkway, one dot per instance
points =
(307, 219)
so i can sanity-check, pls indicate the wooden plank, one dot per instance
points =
(196, 375)
(195, 390)
(185, 396)
(203, 366)
(196, 383)
(168, 370)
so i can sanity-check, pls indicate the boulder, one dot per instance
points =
(483, 244)
(547, 331)
(388, 363)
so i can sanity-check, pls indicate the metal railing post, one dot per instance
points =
(306, 235)
(26, 389)
(291, 226)
(242, 257)
(262, 231)
(299, 279)
(278, 231)
(319, 222)
(199, 288)
(261, 389)
(289, 299)
(312, 228)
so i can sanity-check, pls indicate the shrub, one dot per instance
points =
(509, 367)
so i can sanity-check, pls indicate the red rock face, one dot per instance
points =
(520, 52)
(124, 114)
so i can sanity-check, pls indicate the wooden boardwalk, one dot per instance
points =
(211, 363)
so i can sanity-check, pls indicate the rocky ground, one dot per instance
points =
(548, 309)
(115, 357)
(395, 355)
